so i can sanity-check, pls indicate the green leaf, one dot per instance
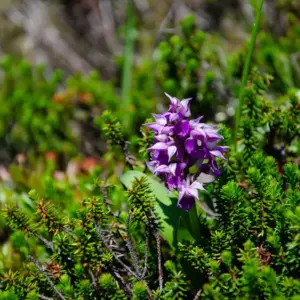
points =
(193, 224)
(166, 208)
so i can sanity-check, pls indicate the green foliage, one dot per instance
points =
(141, 198)
(178, 60)
(36, 107)
(111, 128)
(77, 252)
(276, 56)
(79, 234)
(176, 287)
(17, 219)
(164, 207)
(29, 113)
(146, 142)
(187, 65)
(139, 291)
(110, 289)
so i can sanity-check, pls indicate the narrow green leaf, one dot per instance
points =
(246, 71)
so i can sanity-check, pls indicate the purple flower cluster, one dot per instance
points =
(179, 145)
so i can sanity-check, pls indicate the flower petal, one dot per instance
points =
(172, 99)
(171, 151)
(198, 133)
(162, 169)
(186, 202)
(195, 121)
(172, 168)
(155, 127)
(173, 182)
(161, 138)
(217, 153)
(151, 165)
(205, 178)
(185, 108)
(167, 129)
(197, 185)
(174, 117)
(190, 145)
(182, 129)
(213, 135)
(216, 171)
(161, 120)
(159, 146)
(192, 192)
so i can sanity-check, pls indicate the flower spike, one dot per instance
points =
(179, 144)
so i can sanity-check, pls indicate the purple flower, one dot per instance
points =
(180, 144)
(182, 129)
(181, 108)
(188, 193)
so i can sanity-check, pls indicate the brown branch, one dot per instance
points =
(42, 271)
(44, 297)
(102, 239)
(160, 270)
(125, 286)
(197, 296)
(94, 281)
(47, 243)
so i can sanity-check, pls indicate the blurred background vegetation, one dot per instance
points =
(64, 62)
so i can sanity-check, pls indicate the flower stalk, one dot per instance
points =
(246, 72)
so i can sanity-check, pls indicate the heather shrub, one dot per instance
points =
(102, 200)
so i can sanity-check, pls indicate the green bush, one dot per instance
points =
(99, 226)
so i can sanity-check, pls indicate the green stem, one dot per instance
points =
(128, 62)
(246, 72)
(195, 226)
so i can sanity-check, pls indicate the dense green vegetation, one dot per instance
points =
(84, 218)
